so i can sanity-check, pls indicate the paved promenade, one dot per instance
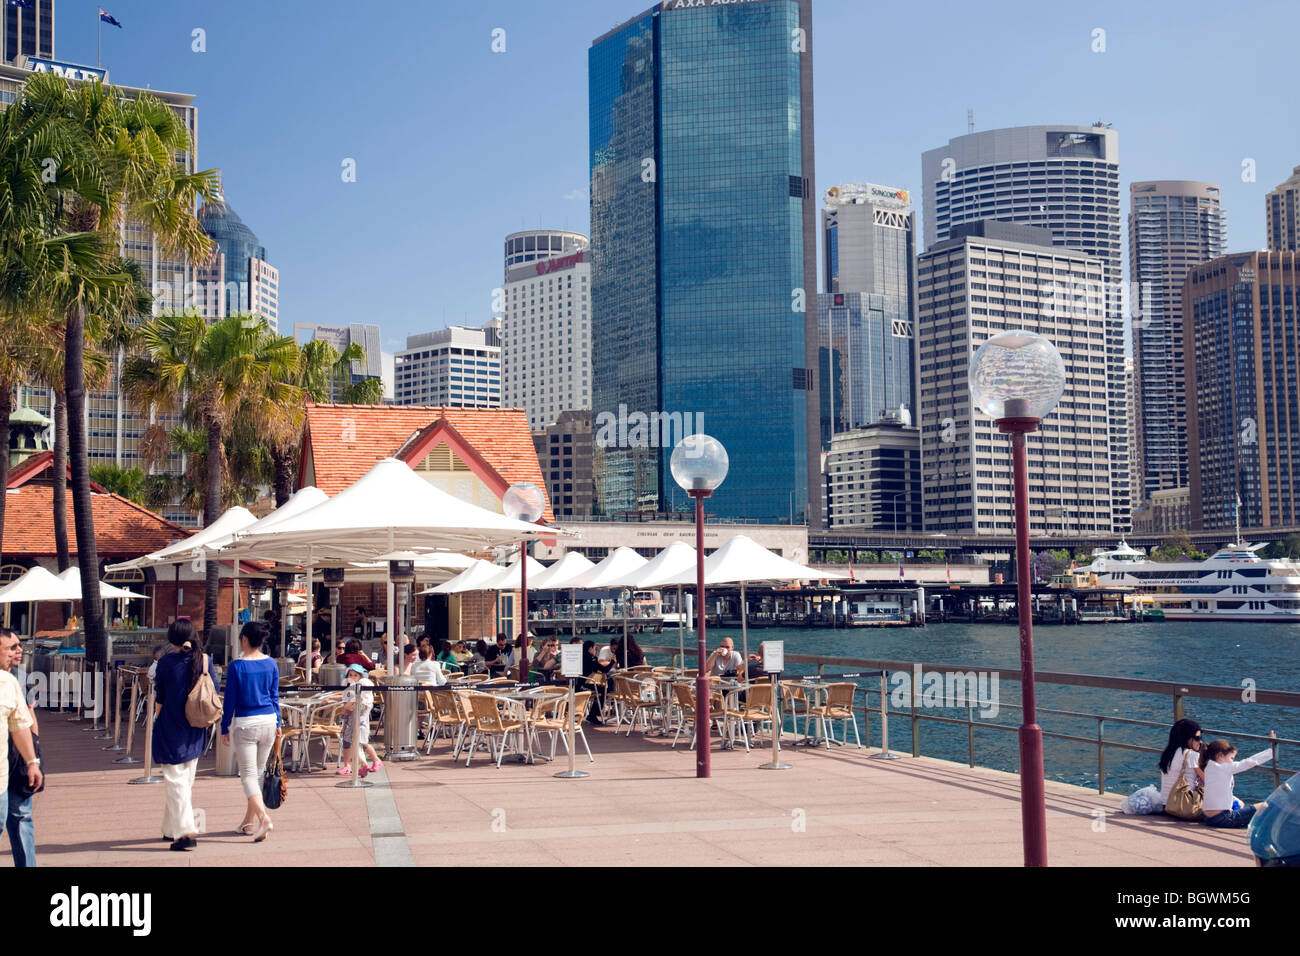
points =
(642, 805)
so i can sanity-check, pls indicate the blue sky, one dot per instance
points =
(456, 146)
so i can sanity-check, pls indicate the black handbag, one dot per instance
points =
(274, 786)
(18, 769)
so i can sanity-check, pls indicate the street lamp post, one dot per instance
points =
(523, 501)
(1017, 378)
(699, 464)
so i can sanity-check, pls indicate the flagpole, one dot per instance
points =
(99, 41)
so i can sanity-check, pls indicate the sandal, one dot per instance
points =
(376, 766)
(247, 828)
(344, 772)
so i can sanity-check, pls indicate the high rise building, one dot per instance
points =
(114, 428)
(546, 332)
(340, 337)
(873, 478)
(237, 278)
(564, 453)
(533, 244)
(703, 231)
(1243, 407)
(1172, 226)
(982, 281)
(1062, 178)
(1282, 215)
(456, 367)
(28, 31)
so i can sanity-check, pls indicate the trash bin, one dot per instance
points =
(400, 709)
(286, 666)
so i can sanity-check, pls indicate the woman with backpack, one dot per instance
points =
(177, 742)
(252, 716)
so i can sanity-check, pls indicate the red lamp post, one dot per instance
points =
(699, 464)
(1017, 378)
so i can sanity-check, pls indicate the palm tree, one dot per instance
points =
(115, 158)
(215, 377)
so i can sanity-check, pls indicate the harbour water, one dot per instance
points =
(1225, 654)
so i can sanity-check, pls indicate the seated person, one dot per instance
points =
(461, 652)
(352, 655)
(316, 657)
(408, 658)
(445, 656)
(426, 669)
(500, 657)
(547, 661)
(725, 661)
(477, 664)
(755, 669)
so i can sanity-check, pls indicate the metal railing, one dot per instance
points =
(1177, 692)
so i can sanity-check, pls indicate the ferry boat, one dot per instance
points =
(1234, 584)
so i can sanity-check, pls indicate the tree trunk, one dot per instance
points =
(211, 512)
(61, 480)
(6, 409)
(284, 477)
(82, 515)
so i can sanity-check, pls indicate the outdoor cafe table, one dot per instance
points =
(526, 697)
(818, 691)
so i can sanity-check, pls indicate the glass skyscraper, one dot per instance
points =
(704, 271)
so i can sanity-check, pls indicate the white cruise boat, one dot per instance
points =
(1234, 584)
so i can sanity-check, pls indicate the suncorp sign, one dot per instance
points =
(69, 71)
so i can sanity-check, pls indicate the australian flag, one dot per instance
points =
(108, 18)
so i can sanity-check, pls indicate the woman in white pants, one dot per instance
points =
(252, 715)
(177, 746)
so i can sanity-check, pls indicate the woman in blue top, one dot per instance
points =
(252, 709)
(177, 746)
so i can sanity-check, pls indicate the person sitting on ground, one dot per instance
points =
(725, 661)
(316, 657)
(1219, 763)
(426, 669)
(357, 682)
(1181, 755)
(408, 658)
(500, 657)
(352, 655)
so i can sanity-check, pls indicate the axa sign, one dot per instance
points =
(69, 71)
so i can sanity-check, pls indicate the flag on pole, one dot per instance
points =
(948, 570)
(108, 18)
(850, 567)
(900, 570)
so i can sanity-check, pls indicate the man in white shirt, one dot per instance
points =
(725, 660)
(16, 720)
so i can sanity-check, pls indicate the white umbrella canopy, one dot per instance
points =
(508, 579)
(663, 568)
(617, 565)
(570, 567)
(71, 579)
(743, 559)
(37, 584)
(178, 552)
(473, 578)
(299, 501)
(389, 507)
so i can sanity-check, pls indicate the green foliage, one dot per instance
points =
(1177, 547)
(1287, 548)
(127, 482)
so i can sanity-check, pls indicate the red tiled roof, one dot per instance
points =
(344, 441)
(123, 529)
(40, 466)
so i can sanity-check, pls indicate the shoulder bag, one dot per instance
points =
(275, 788)
(203, 705)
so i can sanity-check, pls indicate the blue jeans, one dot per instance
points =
(21, 829)
(1231, 819)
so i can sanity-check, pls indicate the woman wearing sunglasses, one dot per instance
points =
(1181, 755)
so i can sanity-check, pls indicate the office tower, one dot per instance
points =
(237, 278)
(340, 337)
(982, 281)
(1172, 226)
(28, 31)
(865, 362)
(459, 367)
(1063, 178)
(564, 454)
(873, 478)
(114, 428)
(1243, 407)
(705, 270)
(546, 330)
(1282, 215)
(533, 244)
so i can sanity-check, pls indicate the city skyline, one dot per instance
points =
(501, 189)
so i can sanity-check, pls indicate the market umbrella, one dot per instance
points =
(187, 549)
(617, 565)
(742, 560)
(36, 585)
(673, 560)
(559, 575)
